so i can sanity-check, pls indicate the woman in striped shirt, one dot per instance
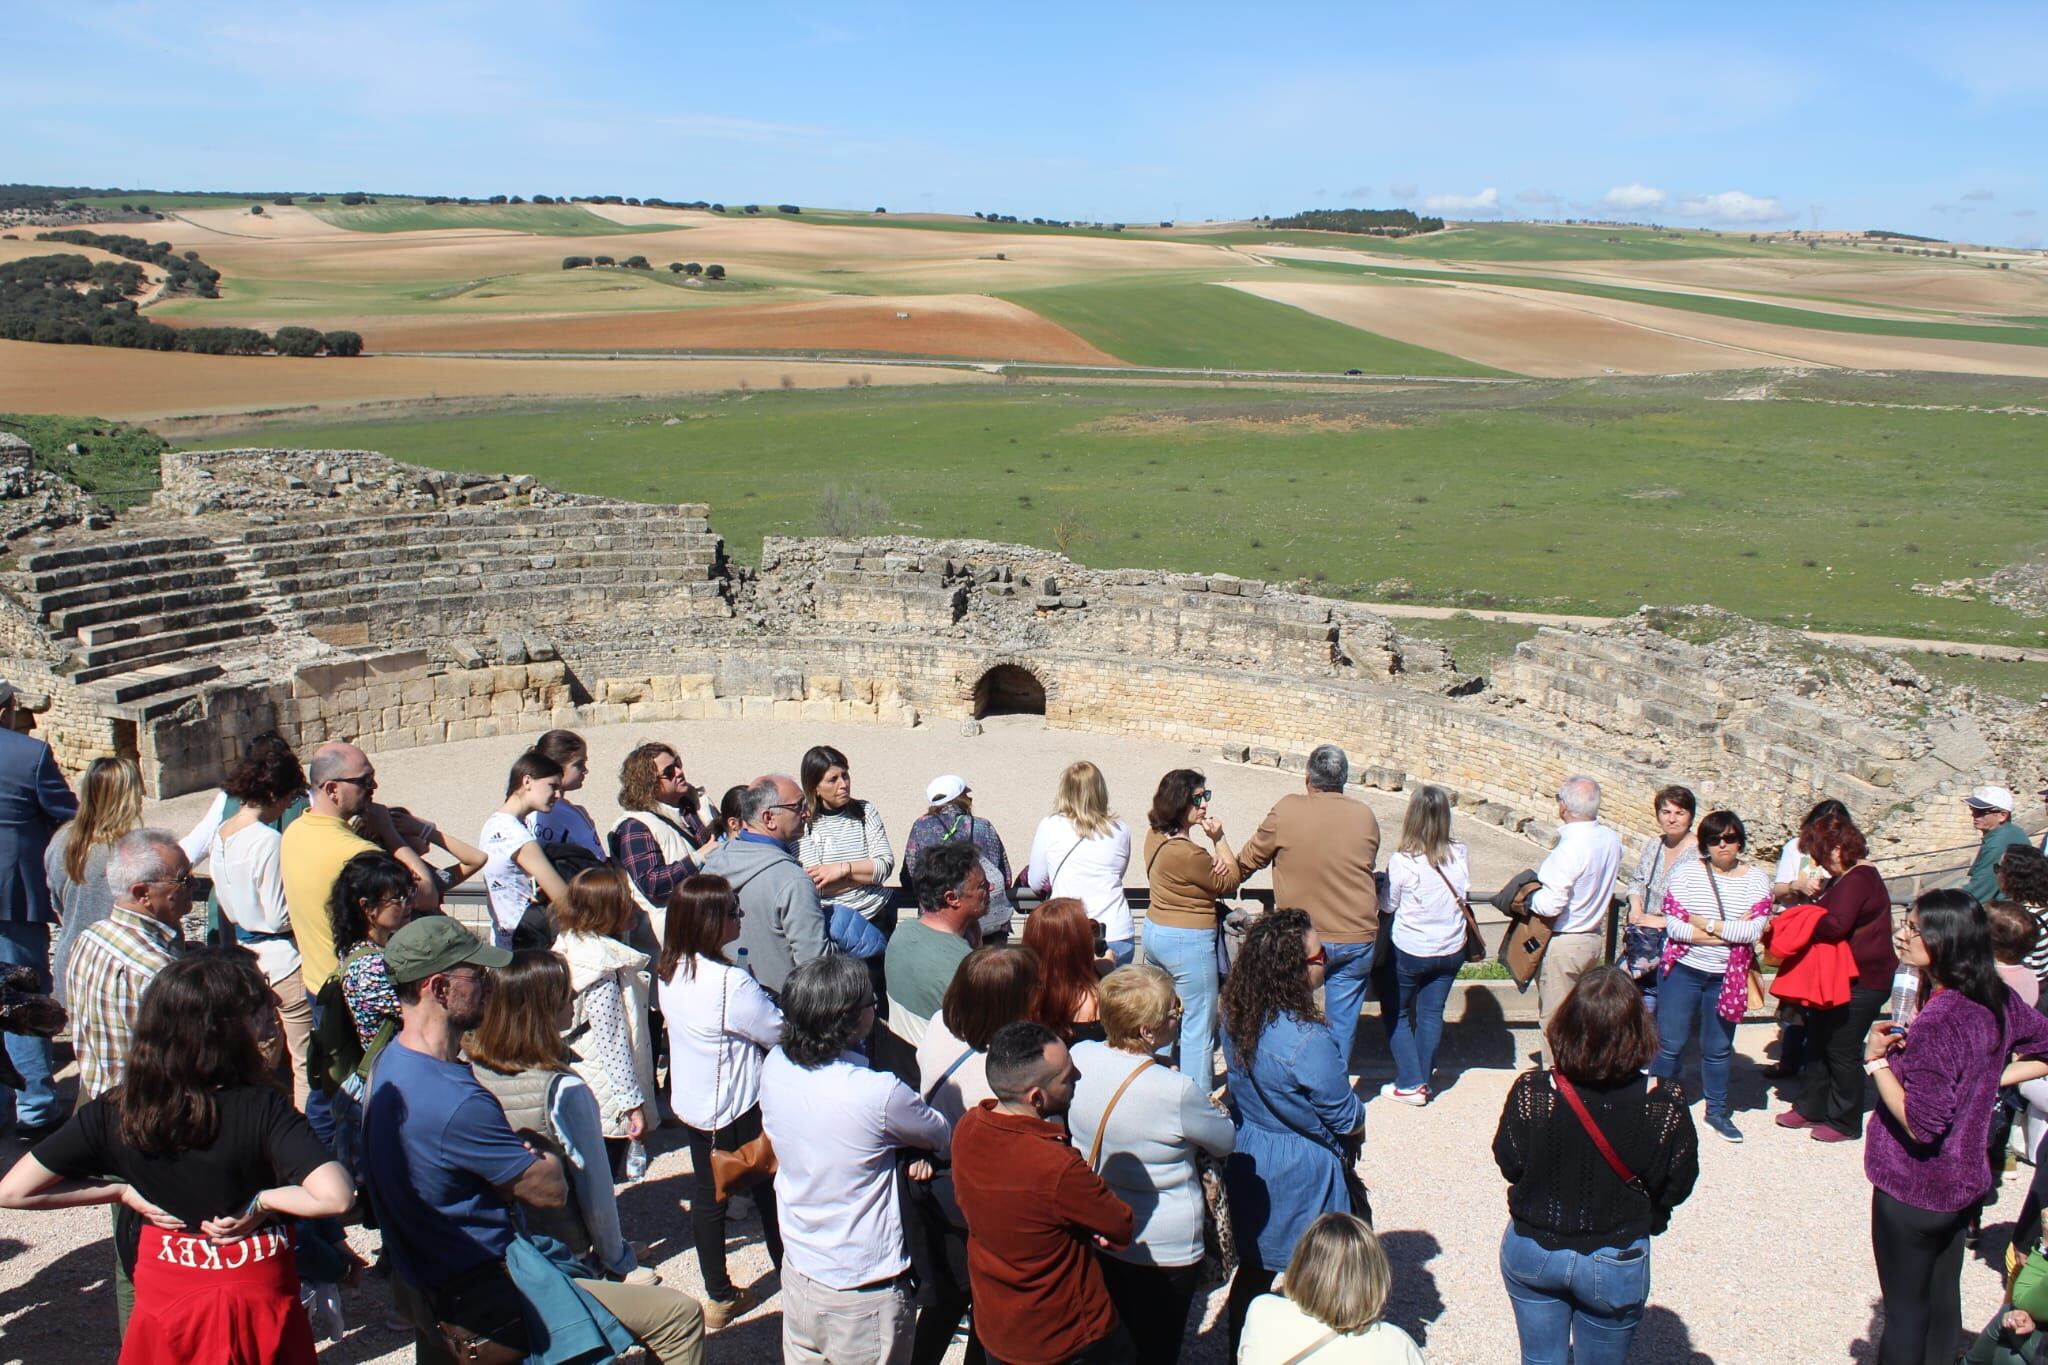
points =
(1715, 909)
(844, 846)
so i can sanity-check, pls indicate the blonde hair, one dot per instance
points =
(1338, 1274)
(1084, 799)
(1132, 999)
(109, 806)
(1426, 828)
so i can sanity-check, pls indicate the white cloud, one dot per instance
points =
(1734, 206)
(1980, 196)
(1403, 191)
(1634, 198)
(1486, 201)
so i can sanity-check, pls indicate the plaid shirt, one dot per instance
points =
(110, 965)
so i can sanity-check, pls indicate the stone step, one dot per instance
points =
(151, 603)
(133, 569)
(102, 551)
(358, 567)
(378, 547)
(250, 610)
(55, 605)
(151, 680)
(522, 519)
(104, 659)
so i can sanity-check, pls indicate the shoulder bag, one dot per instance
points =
(1475, 946)
(1219, 1236)
(947, 1075)
(1314, 1346)
(753, 1161)
(1607, 1152)
(1102, 1125)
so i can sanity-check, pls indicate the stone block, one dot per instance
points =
(512, 647)
(788, 685)
(399, 665)
(1492, 812)
(510, 678)
(785, 708)
(1072, 601)
(417, 690)
(1235, 753)
(1266, 758)
(1543, 832)
(450, 685)
(970, 728)
(757, 708)
(820, 709)
(320, 680)
(465, 654)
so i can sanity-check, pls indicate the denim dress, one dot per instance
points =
(1294, 1109)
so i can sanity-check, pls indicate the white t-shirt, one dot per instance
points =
(1276, 1330)
(511, 889)
(249, 880)
(1089, 870)
(1427, 920)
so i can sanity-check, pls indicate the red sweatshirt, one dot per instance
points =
(1031, 1204)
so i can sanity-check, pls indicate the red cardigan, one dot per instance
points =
(1817, 975)
(1032, 1208)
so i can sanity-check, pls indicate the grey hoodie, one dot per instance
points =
(784, 925)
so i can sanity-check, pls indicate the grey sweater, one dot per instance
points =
(784, 924)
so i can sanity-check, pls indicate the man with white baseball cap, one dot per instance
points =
(1991, 811)
(949, 818)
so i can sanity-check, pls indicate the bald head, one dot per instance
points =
(341, 779)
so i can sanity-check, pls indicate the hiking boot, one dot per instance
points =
(1416, 1098)
(1792, 1118)
(719, 1312)
(1824, 1133)
(1723, 1125)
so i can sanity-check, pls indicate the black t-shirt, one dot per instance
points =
(261, 1142)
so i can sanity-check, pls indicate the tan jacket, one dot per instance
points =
(1184, 883)
(1322, 846)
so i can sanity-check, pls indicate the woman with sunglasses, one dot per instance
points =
(1715, 909)
(1180, 928)
(1926, 1153)
(1299, 1126)
(1143, 1127)
(720, 1026)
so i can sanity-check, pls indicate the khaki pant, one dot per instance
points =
(868, 1326)
(1564, 962)
(668, 1322)
(295, 1015)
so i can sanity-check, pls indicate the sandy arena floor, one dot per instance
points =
(1769, 1261)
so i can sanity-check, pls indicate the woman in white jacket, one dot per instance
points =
(720, 1027)
(611, 983)
(1082, 850)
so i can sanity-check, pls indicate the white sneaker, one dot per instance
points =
(1414, 1098)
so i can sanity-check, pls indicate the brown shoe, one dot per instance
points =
(717, 1314)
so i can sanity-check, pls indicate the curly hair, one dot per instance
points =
(639, 788)
(1834, 836)
(2023, 872)
(822, 1007)
(1270, 979)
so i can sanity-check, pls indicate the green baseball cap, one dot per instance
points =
(434, 943)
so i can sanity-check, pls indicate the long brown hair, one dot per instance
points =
(639, 788)
(192, 1038)
(518, 1031)
(1269, 979)
(698, 911)
(1602, 1032)
(991, 987)
(600, 903)
(1059, 932)
(109, 806)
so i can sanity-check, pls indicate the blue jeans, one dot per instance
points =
(319, 1106)
(1123, 950)
(1346, 978)
(28, 945)
(1686, 994)
(1581, 1306)
(1421, 986)
(1189, 955)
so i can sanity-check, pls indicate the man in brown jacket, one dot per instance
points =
(1322, 845)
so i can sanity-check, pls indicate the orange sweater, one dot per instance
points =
(1184, 883)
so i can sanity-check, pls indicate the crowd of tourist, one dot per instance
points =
(1013, 1110)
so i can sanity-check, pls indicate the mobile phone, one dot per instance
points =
(1101, 938)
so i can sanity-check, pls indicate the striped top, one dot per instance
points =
(1742, 892)
(111, 964)
(838, 836)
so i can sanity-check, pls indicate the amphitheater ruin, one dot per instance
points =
(342, 594)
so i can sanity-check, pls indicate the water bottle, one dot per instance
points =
(636, 1160)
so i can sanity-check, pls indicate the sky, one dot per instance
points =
(1912, 118)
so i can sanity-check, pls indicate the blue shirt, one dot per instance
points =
(436, 1148)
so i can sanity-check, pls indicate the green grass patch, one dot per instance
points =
(1588, 497)
(1208, 326)
(115, 461)
(2012, 331)
(1477, 644)
(2024, 682)
(544, 220)
(1514, 242)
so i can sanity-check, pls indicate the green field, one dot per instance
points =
(1206, 326)
(173, 202)
(543, 220)
(1588, 496)
(1517, 242)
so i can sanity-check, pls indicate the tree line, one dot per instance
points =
(183, 273)
(1374, 222)
(68, 300)
(691, 268)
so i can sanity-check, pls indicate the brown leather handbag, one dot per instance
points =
(753, 1161)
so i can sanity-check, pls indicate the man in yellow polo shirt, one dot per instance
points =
(319, 844)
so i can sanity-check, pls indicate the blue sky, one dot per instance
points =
(1915, 118)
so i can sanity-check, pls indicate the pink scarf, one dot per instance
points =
(1734, 1001)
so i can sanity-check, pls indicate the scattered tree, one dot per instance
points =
(675, 267)
(880, 210)
(343, 343)
(574, 262)
(256, 209)
(296, 341)
(714, 272)
(637, 263)
(692, 269)
(606, 260)
(787, 208)
(844, 513)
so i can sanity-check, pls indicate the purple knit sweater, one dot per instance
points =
(1949, 1066)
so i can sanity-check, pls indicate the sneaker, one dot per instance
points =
(719, 1312)
(1823, 1133)
(641, 1274)
(1417, 1097)
(1723, 1125)
(1792, 1118)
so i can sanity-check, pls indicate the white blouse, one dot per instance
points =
(1089, 870)
(720, 1025)
(1427, 920)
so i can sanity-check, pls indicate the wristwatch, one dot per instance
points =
(1875, 1065)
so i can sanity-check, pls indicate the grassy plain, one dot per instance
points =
(546, 220)
(1592, 496)
(1177, 323)
(1511, 242)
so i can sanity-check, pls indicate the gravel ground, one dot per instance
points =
(1439, 1201)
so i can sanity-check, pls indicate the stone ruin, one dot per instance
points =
(342, 594)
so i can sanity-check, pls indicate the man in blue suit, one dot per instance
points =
(34, 800)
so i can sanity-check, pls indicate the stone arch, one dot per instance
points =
(1009, 689)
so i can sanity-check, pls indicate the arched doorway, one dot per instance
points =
(1007, 690)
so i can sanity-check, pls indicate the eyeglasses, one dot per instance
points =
(179, 882)
(733, 912)
(1907, 930)
(798, 806)
(1726, 839)
(368, 781)
(1320, 957)
(1202, 798)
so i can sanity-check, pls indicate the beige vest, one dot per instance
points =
(592, 958)
(524, 1096)
(674, 848)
